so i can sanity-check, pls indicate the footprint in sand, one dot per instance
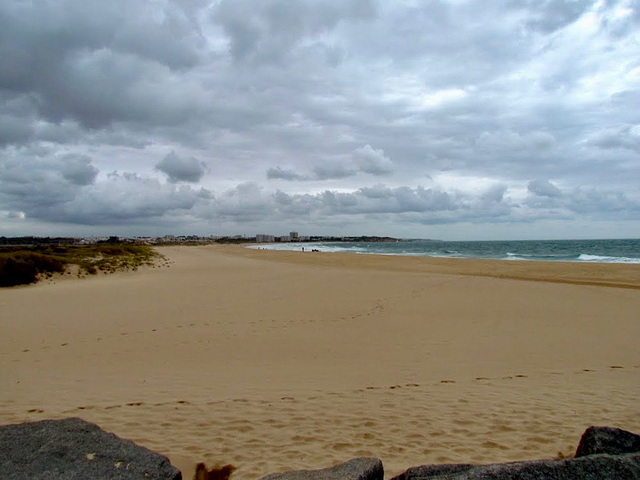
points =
(447, 381)
(340, 446)
(35, 410)
(494, 445)
(616, 366)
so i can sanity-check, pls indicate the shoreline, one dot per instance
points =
(618, 275)
(286, 360)
(624, 251)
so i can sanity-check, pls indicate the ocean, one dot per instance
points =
(593, 251)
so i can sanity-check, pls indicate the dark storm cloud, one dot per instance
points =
(365, 159)
(37, 186)
(543, 188)
(470, 112)
(622, 137)
(180, 169)
(95, 62)
(283, 174)
(78, 170)
(332, 171)
(268, 30)
(13, 130)
(63, 189)
(124, 198)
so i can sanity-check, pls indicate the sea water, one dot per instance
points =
(595, 251)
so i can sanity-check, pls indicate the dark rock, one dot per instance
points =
(75, 449)
(356, 469)
(444, 470)
(613, 441)
(595, 467)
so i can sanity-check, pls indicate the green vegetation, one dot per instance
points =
(27, 264)
(235, 240)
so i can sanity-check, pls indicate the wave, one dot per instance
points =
(557, 251)
(604, 259)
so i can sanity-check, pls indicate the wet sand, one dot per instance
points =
(287, 360)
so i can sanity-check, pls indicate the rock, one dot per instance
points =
(75, 449)
(595, 467)
(613, 441)
(446, 470)
(604, 453)
(363, 468)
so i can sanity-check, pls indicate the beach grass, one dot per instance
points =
(27, 264)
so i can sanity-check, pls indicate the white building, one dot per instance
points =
(263, 238)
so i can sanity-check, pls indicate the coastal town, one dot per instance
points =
(189, 239)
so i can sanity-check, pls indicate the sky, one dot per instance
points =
(449, 119)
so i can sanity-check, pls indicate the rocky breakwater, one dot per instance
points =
(75, 449)
(604, 453)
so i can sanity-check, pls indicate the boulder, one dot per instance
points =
(594, 467)
(75, 449)
(613, 441)
(363, 468)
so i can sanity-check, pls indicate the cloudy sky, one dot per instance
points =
(452, 119)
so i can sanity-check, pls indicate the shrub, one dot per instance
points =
(22, 268)
(23, 265)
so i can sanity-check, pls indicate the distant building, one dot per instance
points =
(285, 238)
(294, 236)
(263, 238)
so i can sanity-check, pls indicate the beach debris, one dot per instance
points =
(214, 473)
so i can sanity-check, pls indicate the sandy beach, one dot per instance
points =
(286, 360)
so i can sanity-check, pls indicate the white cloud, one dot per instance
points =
(373, 161)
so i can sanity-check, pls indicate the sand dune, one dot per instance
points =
(279, 360)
